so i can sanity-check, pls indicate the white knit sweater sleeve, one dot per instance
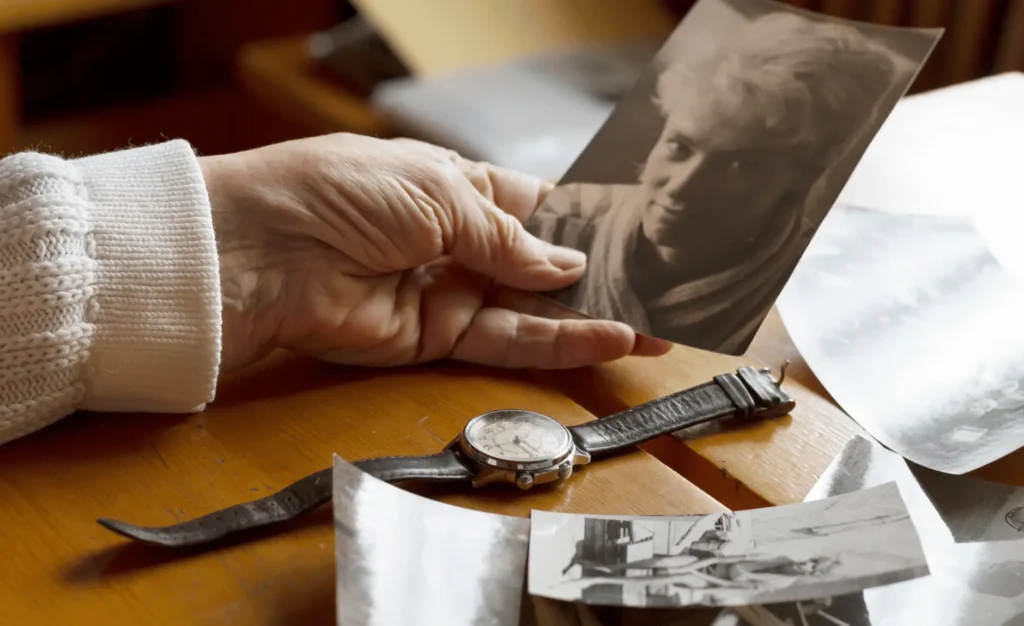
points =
(109, 286)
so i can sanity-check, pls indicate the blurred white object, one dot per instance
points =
(914, 328)
(955, 151)
(535, 115)
(952, 151)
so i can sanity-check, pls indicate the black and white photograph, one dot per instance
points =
(699, 193)
(914, 328)
(405, 559)
(775, 554)
(970, 584)
(974, 510)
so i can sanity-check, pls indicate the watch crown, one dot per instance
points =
(565, 471)
(524, 480)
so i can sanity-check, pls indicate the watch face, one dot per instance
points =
(516, 439)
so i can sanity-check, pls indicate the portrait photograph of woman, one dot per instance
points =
(699, 194)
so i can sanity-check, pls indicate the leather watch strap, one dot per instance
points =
(747, 393)
(442, 467)
(300, 497)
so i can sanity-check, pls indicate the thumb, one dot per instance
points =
(495, 243)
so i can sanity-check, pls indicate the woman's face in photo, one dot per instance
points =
(705, 177)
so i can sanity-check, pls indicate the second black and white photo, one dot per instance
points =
(777, 554)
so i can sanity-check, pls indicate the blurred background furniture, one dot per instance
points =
(519, 83)
(79, 76)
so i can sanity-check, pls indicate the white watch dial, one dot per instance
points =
(517, 437)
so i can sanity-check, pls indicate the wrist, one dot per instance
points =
(212, 169)
(236, 206)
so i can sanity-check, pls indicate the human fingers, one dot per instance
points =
(504, 338)
(533, 304)
(460, 198)
(514, 192)
(539, 306)
(485, 239)
(646, 345)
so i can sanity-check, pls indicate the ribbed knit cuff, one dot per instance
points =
(158, 317)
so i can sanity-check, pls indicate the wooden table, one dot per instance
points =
(268, 427)
(286, 417)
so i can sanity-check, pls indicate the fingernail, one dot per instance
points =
(566, 258)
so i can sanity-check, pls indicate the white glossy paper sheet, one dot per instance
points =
(405, 559)
(915, 329)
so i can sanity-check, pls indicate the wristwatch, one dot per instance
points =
(513, 446)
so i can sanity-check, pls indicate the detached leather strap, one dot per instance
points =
(300, 497)
(743, 395)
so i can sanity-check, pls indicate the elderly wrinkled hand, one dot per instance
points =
(380, 252)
